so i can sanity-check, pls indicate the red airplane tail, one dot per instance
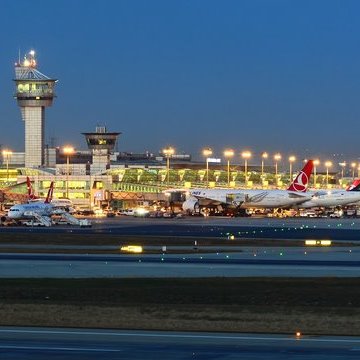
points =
(355, 186)
(301, 181)
(31, 194)
(50, 194)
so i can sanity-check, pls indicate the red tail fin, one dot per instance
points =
(354, 186)
(49, 194)
(301, 181)
(30, 189)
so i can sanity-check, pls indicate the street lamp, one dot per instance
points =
(228, 154)
(246, 155)
(353, 166)
(6, 154)
(316, 163)
(68, 150)
(342, 164)
(168, 152)
(264, 156)
(207, 152)
(327, 165)
(292, 158)
(277, 157)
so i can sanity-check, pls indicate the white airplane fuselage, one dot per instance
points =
(331, 198)
(25, 211)
(244, 198)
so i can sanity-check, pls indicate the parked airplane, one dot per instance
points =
(333, 198)
(42, 212)
(27, 211)
(249, 198)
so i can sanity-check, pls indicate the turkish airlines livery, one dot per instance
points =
(248, 198)
(27, 211)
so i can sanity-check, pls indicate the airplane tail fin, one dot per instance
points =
(50, 194)
(30, 189)
(355, 186)
(302, 180)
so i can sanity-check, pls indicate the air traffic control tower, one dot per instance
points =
(102, 144)
(34, 91)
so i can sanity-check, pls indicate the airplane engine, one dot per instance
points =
(191, 205)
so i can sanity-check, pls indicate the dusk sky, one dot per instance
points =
(265, 75)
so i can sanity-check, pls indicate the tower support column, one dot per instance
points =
(34, 135)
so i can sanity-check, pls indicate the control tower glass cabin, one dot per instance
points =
(102, 144)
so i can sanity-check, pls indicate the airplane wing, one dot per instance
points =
(234, 199)
(299, 197)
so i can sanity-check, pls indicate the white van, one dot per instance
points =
(127, 212)
(308, 213)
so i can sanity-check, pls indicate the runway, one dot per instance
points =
(268, 262)
(62, 343)
(221, 262)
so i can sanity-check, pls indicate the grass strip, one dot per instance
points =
(279, 305)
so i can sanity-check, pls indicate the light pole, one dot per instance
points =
(246, 155)
(342, 164)
(327, 165)
(207, 152)
(168, 152)
(292, 158)
(228, 155)
(264, 156)
(68, 150)
(353, 166)
(316, 163)
(6, 154)
(277, 157)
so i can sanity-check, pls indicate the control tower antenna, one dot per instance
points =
(34, 92)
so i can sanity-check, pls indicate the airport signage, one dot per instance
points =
(213, 160)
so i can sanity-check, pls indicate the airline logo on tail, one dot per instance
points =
(49, 194)
(301, 181)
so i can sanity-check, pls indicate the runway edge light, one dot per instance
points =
(132, 248)
(318, 242)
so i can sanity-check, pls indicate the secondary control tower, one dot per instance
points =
(34, 91)
(102, 144)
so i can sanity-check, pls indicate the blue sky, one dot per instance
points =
(260, 74)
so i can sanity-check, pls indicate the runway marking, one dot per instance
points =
(185, 336)
(12, 347)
